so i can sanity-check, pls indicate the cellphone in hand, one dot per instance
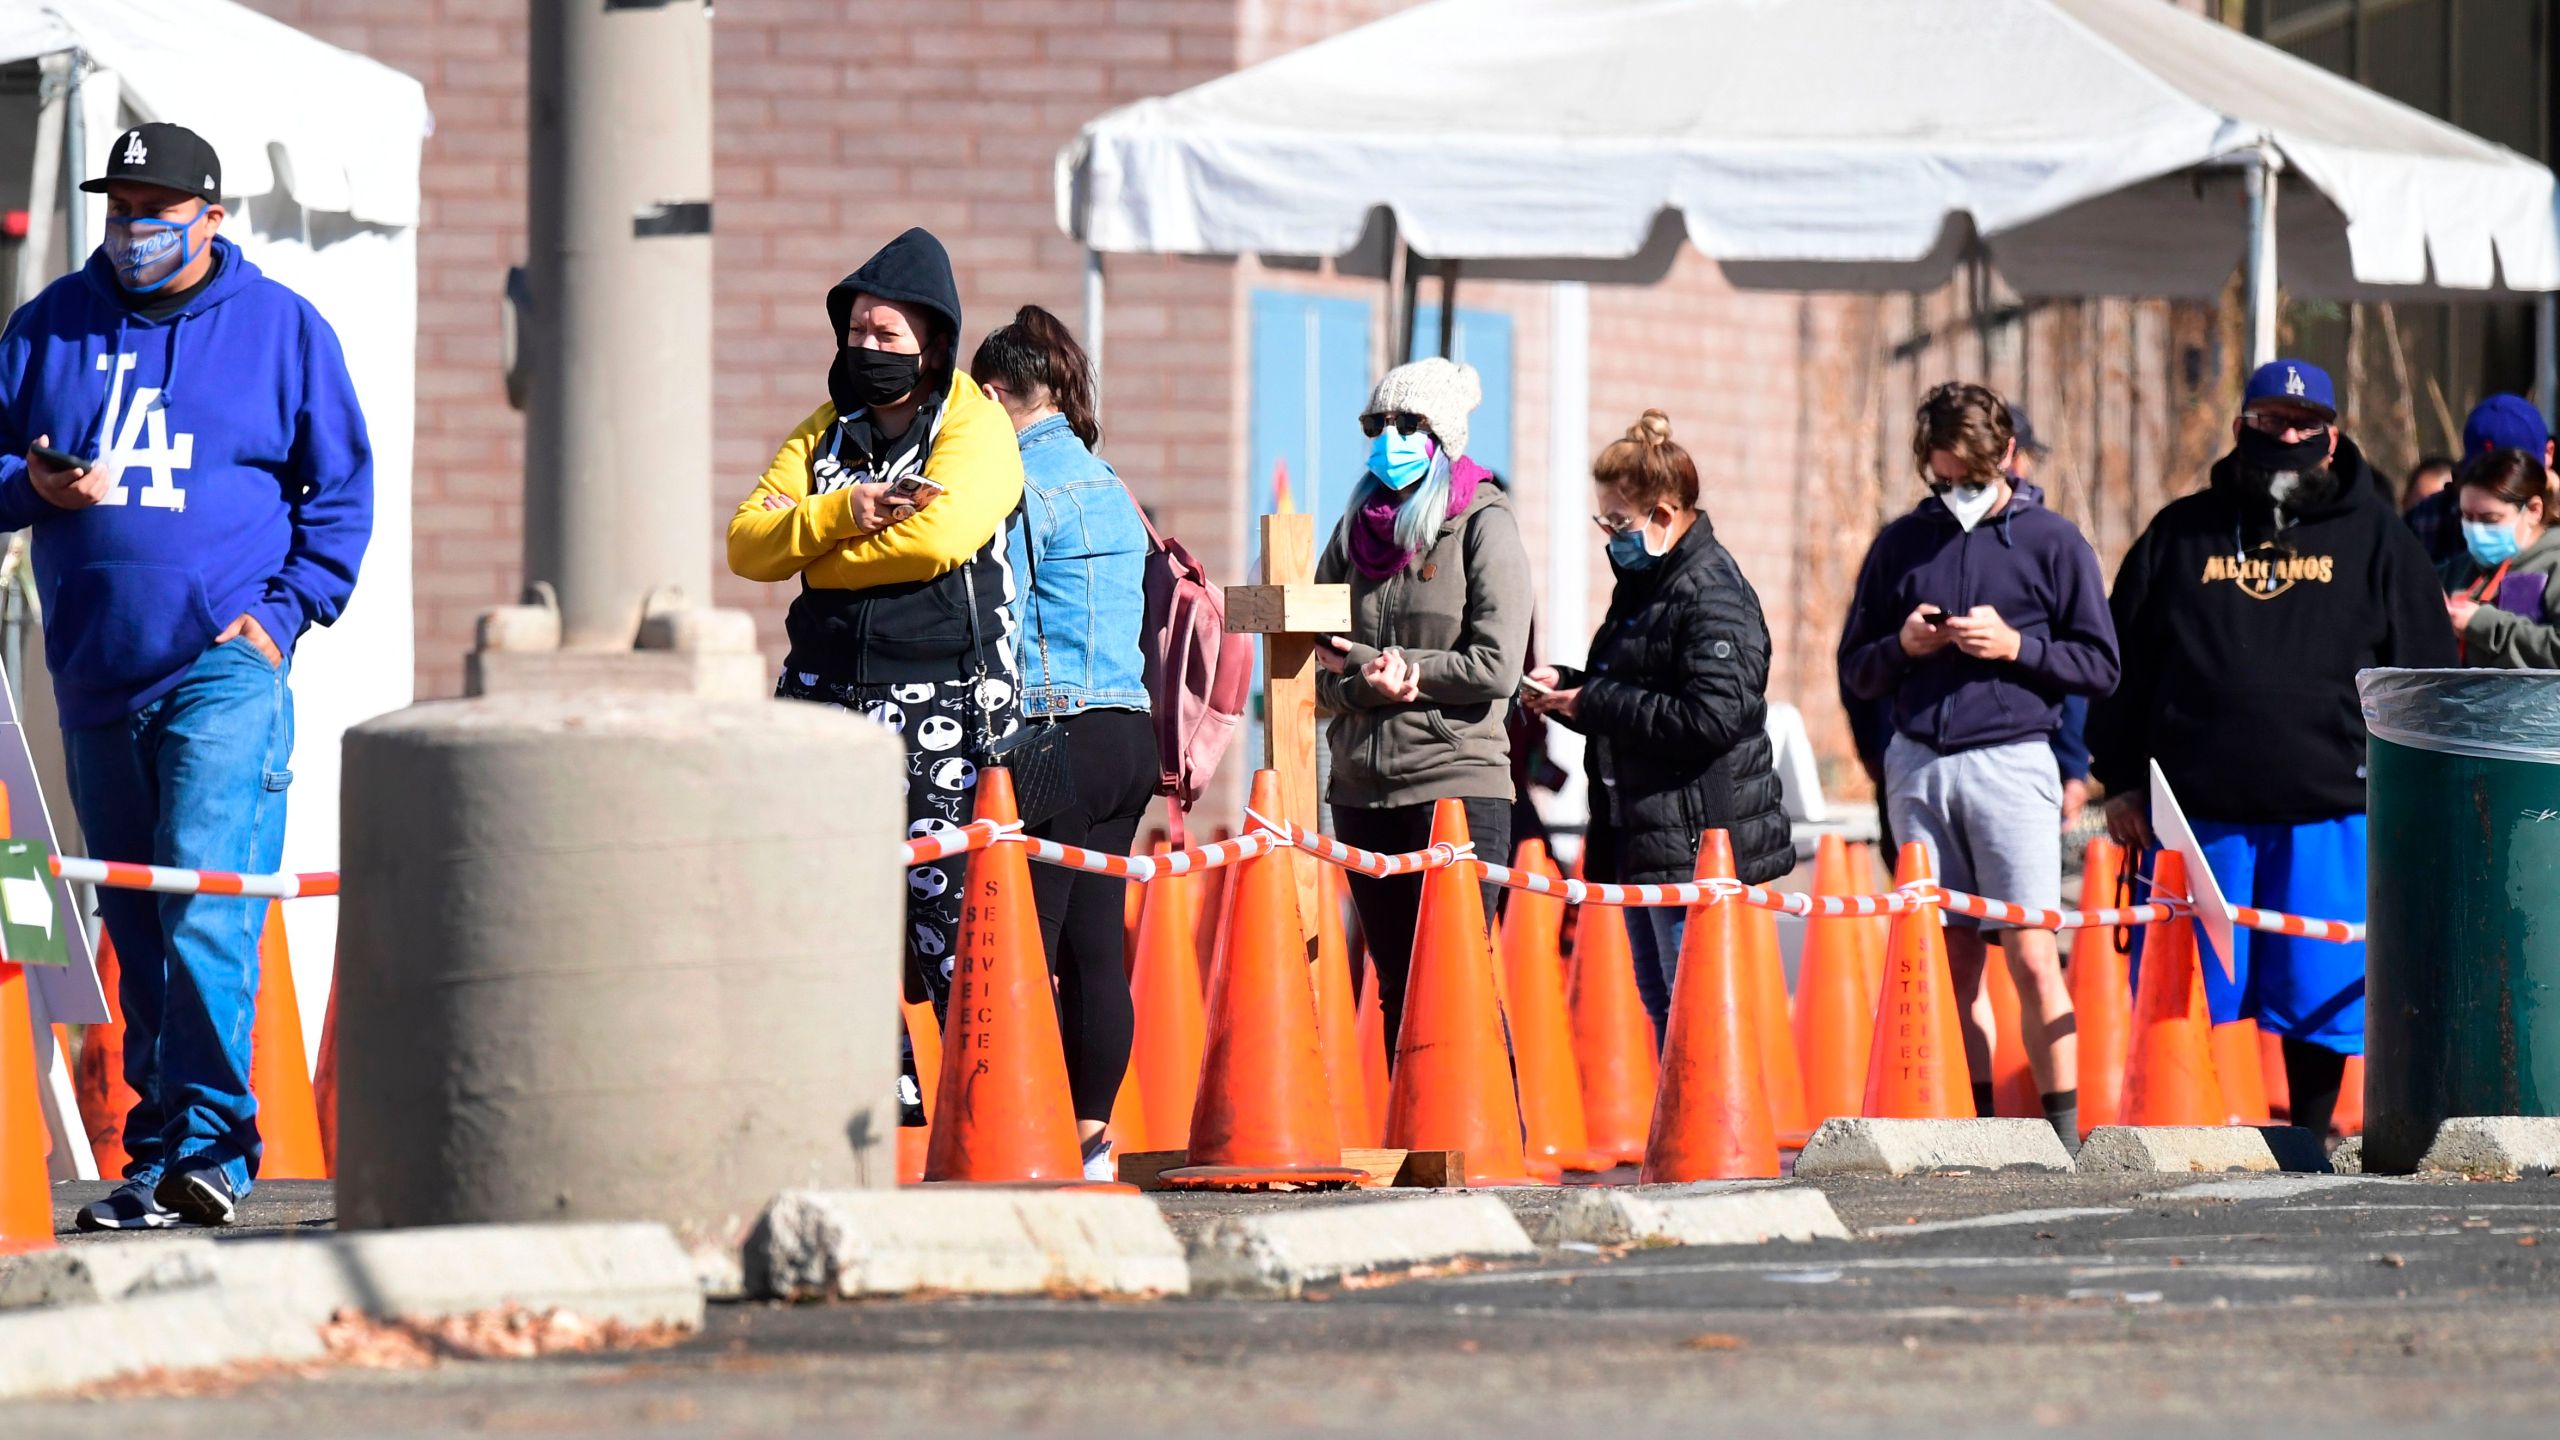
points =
(1534, 688)
(1934, 618)
(912, 490)
(60, 459)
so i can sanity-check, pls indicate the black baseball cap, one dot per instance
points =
(161, 154)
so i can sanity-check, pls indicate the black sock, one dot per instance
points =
(2312, 1073)
(2062, 1112)
(1982, 1101)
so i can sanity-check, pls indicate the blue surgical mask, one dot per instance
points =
(1628, 550)
(1400, 461)
(148, 252)
(2490, 544)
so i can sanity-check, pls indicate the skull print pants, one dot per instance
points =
(937, 724)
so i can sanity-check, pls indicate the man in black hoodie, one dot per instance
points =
(2245, 612)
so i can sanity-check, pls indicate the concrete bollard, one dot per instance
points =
(616, 957)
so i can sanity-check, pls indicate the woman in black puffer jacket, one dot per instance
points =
(1674, 700)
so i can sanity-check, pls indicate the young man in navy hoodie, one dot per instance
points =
(1976, 614)
(181, 434)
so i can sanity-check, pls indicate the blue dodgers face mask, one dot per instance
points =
(1400, 461)
(148, 252)
(2490, 544)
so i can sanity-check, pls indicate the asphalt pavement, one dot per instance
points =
(2281, 1305)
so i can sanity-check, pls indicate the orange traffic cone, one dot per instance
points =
(1128, 1125)
(97, 1079)
(2235, 1066)
(2348, 1118)
(2101, 992)
(925, 1039)
(1165, 993)
(1835, 1004)
(2279, 1086)
(1371, 1038)
(26, 1196)
(1265, 1113)
(1453, 1086)
(1781, 1072)
(2169, 1078)
(1209, 894)
(1874, 932)
(1917, 1069)
(1711, 1117)
(279, 1073)
(1003, 1115)
(1612, 1036)
(2013, 1080)
(324, 1076)
(1338, 1019)
(1541, 1029)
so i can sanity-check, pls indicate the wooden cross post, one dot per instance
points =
(1289, 612)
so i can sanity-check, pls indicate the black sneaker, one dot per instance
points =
(132, 1206)
(200, 1196)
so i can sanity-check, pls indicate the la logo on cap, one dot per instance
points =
(134, 154)
(2292, 381)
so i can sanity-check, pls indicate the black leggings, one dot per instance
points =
(2312, 1075)
(1082, 923)
(1388, 907)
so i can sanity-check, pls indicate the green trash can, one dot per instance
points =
(2462, 961)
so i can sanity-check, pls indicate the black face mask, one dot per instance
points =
(2265, 454)
(862, 379)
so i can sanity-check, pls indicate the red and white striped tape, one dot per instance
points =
(165, 880)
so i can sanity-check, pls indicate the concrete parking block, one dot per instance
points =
(2494, 1147)
(2200, 1150)
(267, 1299)
(854, 1243)
(1858, 1146)
(93, 1274)
(1708, 1214)
(1279, 1254)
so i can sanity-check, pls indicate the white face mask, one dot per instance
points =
(1968, 503)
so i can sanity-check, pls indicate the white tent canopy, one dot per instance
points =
(320, 151)
(2089, 146)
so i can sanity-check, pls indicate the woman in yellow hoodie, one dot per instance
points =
(907, 605)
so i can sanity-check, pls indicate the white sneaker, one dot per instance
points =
(1098, 1164)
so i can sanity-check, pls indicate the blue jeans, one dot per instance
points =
(196, 779)
(1653, 936)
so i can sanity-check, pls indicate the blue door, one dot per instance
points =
(1311, 363)
(1482, 339)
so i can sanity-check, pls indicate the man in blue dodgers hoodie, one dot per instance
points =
(1976, 614)
(216, 501)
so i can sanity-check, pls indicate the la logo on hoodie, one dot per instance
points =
(142, 440)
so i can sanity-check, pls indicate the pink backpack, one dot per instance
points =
(1198, 676)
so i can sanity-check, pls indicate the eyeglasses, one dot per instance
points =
(1614, 527)
(2266, 423)
(1405, 421)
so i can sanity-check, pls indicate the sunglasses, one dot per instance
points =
(2267, 424)
(1405, 422)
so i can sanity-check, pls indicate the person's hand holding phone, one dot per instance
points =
(880, 505)
(1924, 631)
(1333, 653)
(63, 484)
(1982, 634)
(1394, 677)
(1539, 694)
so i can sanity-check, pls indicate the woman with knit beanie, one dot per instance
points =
(1418, 691)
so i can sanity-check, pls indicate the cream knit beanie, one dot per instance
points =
(1442, 392)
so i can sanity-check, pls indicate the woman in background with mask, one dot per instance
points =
(1418, 691)
(888, 504)
(2497, 593)
(1674, 700)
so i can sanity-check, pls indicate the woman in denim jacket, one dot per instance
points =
(1082, 547)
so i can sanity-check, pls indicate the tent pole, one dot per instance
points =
(1448, 307)
(75, 150)
(2546, 354)
(2261, 172)
(1093, 297)
(1565, 629)
(1408, 291)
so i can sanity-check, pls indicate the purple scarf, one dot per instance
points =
(1374, 551)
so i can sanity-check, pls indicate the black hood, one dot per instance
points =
(913, 269)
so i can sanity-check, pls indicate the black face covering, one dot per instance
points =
(861, 379)
(2265, 454)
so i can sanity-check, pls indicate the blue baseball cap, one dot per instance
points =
(2298, 381)
(2505, 422)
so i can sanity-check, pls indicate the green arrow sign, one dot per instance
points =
(30, 926)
